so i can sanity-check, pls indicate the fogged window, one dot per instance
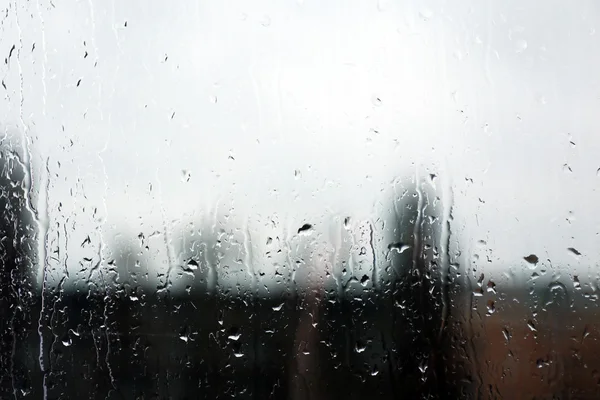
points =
(299, 199)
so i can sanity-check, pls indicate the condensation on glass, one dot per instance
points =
(299, 199)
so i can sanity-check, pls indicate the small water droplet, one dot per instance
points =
(399, 247)
(364, 280)
(192, 264)
(305, 229)
(359, 347)
(265, 21)
(574, 251)
(347, 222)
(531, 259)
(491, 307)
(425, 14)
(506, 334)
(520, 46)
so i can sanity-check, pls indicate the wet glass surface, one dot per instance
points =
(304, 200)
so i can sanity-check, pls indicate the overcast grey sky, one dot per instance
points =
(156, 113)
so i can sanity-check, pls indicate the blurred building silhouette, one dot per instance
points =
(382, 315)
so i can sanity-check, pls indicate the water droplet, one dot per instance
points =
(364, 280)
(574, 251)
(305, 229)
(425, 14)
(347, 222)
(520, 46)
(192, 264)
(376, 101)
(491, 307)
(399, 247)
(279, 307)
(359, 347)
(531, 259)
(265, 21)
(506, 334)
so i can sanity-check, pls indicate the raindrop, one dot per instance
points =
(305, 229)
(520, 46)
(347, 222)
(192, 264)
(359, 347)
(426, 14)
(265, 21)
(364, 280)
(506, 334)
(491, 307)
(574, 251)
(531, 259)
(399, 247)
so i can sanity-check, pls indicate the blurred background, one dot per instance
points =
(298, 199)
